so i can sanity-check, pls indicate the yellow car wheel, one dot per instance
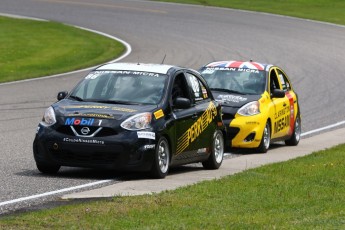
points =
(266, 139)
(296, 135)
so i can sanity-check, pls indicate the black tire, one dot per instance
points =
(296, 135)
(217, 152)
(48, 168)
(266, 139)
(160, 166)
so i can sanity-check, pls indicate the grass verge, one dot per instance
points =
(303, 193)
(32, 49)
(320, 10)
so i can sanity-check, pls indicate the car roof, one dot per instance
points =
(240, 64)
(142, 67)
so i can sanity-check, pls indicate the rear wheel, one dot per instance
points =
(217, 152)
(296, 135)
(266, 139)
(160, 166)
(48, 168)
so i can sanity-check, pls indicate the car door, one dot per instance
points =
(184, 119)
(281, 116)
(291, 101)
(202, 130)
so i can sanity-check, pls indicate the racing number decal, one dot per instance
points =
(292, 112)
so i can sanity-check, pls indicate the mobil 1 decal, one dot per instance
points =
(79, 121)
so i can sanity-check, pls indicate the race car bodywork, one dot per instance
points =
(258, 101)
(140, 117)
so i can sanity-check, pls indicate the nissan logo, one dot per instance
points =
(85, 130)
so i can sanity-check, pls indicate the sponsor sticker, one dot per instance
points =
(85, 141)
(203, 150)
(198, 127)
(204, 93)
(79, 121)
(96, 115)
(99, 107)
(232, 98)
(158, 114)
(146, 147)
(146, 135)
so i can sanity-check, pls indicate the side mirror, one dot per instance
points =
(181, 103)
(277, 93)
(62, 95)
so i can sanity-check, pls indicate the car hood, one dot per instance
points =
(70, 108)
(234, 100)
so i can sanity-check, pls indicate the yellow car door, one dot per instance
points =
(291, 101)
(281, 106)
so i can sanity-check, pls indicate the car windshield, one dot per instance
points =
(121, 87)
(235, 80)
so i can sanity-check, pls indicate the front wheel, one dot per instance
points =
(160, 166)
(296, 135)
(217, 152)
(265, 140)
(48, 168)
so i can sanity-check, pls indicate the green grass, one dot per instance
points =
(321, 10)
(303, 193)
(32, 49)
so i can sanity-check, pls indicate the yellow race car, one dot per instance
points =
(258, 102)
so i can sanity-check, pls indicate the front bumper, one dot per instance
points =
(245, 131)
(123, 151)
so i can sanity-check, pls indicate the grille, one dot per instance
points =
(94, 158)
(86, 153)
(105, 131)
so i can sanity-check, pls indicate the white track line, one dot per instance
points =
(128, 51)
(106, 181)
(323, 128)
(53, 192)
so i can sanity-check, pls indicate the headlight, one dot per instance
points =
(137, 122)
(250, 109)
(49, 117)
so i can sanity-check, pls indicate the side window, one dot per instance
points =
(180, 87)
(197, 88)
(274, 83)
(284, 81)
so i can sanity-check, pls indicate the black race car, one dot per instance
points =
(139, 117)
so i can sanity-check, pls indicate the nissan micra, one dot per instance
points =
(259, 103)
(130, 116)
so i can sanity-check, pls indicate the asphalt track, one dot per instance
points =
(310, 52)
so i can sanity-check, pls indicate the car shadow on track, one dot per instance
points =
(239, 152)
(98, 174)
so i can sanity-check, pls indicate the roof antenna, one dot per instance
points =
(164, 58)
(251, 60)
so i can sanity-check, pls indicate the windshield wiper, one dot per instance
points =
(76, 98)
(227, 90)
